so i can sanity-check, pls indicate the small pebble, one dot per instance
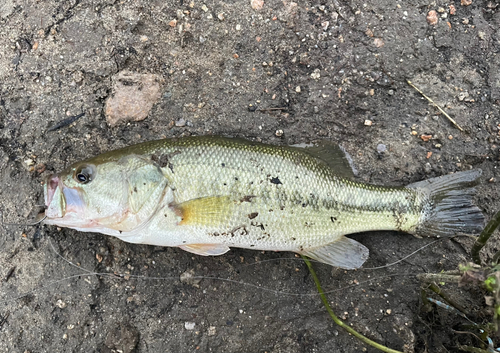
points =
(279, 133)
(180, 123)
(465, 2)
(316, 74)
(188, 325)
(257, 4)
(211, 331)
(429, 154)
(220, 16)
(60, 304)
(450, 137)
(368, 122)
(453, 10)
(391, 92)
(414, 133)
(204, 8)
(388, 311)
(381, 148)
(492, 180)
(425, 138)
(297, 89)
(432, 18)
(315, 109)
(378, 42)
(40, 168)
(173, 23)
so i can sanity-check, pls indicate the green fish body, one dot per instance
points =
(208, 194)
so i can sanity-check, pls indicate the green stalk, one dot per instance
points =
(484, 236)
(472, 349)
(446, 296)
(337, 320)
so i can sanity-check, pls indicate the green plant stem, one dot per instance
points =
(484, 236)
(438, 277)
(337, 320)
(472, 349)
(445, 296)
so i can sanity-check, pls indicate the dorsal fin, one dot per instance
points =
(335, 156)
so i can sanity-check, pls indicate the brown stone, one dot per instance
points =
(133, 97)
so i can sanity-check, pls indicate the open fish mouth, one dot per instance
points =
(59, 199)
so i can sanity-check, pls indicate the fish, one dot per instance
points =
(208, 194)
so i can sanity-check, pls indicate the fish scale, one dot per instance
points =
(207, 194)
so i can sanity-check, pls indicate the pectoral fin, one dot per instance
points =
(205, 211)
(344, 253)
(206, 249)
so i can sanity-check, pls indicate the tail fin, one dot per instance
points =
(448, 209)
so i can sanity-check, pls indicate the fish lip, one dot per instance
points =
(52, 183)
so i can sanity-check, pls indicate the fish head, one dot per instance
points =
(104, 193)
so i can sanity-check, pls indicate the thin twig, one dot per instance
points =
(472, 349)
(437, 106)
(3, 319)
(268, 109)
(484, 236)
(438, 277)
(337, 320)
(9, 273)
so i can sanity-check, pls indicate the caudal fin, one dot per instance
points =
(448, 208)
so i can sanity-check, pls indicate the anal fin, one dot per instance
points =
(206, 249)
(344, 253)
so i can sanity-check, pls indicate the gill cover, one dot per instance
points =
(145, 186)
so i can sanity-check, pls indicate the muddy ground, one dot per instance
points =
(337, 69)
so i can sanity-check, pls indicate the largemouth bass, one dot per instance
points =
(207, 194)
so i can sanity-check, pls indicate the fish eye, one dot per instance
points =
(84, 174)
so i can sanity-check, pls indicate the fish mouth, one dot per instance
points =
(60, 200)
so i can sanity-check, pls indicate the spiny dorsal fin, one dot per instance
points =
(333, 155)
(344, 253)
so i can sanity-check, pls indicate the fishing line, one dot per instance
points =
(23, 224)
(402, 259)
(123, 276)
(222, 279)
(360, 269)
